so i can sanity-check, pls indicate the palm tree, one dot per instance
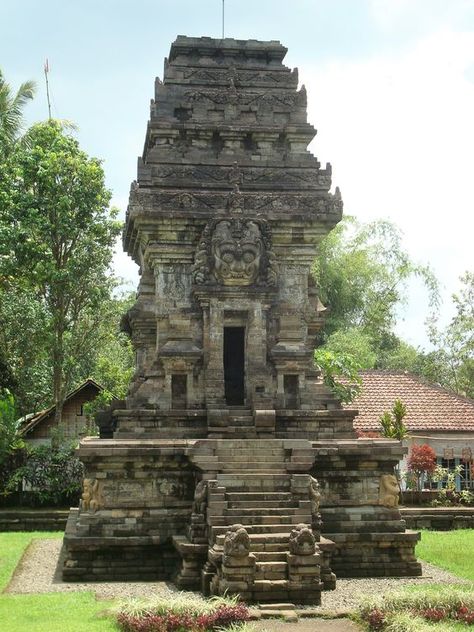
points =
(11, 110)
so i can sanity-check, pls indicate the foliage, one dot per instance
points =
(454, 353)
(25, 348)
(178, 603)
(392, 422)
(362, 271)
(340, 373)
(221, 618)
(9, 440)
(447, 477)
(11, 111)
(111, 363)
(421, 461)
(354, 343)
(408, 611)
(56, 242)
(180, 613)
(52, 475)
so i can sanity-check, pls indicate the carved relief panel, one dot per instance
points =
(235, 252)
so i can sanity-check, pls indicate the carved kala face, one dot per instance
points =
(236, 249)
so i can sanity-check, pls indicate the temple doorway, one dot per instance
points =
(290, 386)
(178, 391)
(234, 365)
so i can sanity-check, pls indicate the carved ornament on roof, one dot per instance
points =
(232, 95)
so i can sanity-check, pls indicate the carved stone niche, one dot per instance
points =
(235, 252)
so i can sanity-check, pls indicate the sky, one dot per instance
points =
(390, 90)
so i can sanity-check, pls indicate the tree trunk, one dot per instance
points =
(58, 382)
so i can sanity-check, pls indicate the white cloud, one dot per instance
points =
(418, 14)
(399, 132)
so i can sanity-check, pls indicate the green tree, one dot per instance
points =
(111, 362)
(11, 111)
(362, 271)
(455, 344)
(25, 347)
(56, 240)
(340, 372)
(9, 439)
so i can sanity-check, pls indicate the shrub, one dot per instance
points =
(421, 461)
(51, 475)
(223, 617)
(179, 613)
(415, 611)
(376, 619)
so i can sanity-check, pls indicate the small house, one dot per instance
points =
(435, 416)
(37, 427)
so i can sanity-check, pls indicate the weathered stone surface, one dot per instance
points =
(230, 455)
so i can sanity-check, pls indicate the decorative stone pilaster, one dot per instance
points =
(238, 564)
(304, 561)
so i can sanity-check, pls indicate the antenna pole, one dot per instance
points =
(223, 16)
(46, 71)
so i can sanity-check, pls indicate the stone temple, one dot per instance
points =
(231, 466)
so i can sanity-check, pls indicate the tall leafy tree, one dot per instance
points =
(56, 239)
(12, 105)
(362, 271)
(452, 361)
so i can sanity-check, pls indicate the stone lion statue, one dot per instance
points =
(388, 490)
(237, 541)
(302, 541)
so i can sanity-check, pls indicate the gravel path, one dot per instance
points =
(37, 572)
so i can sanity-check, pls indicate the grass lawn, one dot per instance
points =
(53, 612)
(451, 550)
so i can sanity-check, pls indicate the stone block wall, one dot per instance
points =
(359, 508)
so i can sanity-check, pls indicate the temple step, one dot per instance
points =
(270, 511)
(258, 521)
(262, 481)
(250, 466)
(261, 504)
(257, 497)
(271, 570)
(259, 529)
(270, 556)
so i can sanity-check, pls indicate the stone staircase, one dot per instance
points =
(256, 507)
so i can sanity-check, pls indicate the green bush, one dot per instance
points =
(50, 476)
(181, 612)
(416, 611)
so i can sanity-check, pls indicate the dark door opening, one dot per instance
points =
(179, 385)
(234, 365)
(290, 386)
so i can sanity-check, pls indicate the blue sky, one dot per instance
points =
(390, 89)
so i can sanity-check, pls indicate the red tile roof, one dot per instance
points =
(429, 407)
